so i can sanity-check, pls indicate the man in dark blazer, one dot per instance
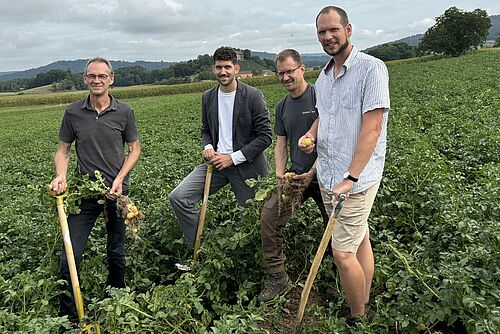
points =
(235, 131)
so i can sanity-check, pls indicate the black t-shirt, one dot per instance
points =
(294, 117)
(99, 138)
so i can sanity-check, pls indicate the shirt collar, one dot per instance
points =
(112, 105)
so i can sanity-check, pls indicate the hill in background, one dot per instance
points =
(77, 66)
(495, 28)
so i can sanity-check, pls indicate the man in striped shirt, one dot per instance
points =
(350, 134)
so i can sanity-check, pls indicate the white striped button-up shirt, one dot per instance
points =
(361, 86)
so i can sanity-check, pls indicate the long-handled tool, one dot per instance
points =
(203, 213)
(327, 235)
(68, 247)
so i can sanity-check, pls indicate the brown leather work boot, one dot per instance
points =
(275, 285)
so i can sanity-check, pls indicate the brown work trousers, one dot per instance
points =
(273, 219)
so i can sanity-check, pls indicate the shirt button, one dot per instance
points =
(97, 117)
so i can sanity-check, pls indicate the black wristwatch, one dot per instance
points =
(348, 176)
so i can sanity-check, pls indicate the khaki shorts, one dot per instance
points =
(352, 220)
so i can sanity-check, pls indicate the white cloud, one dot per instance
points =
(365, 33)
(423, 24)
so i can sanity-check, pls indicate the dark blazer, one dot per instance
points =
(252, 132)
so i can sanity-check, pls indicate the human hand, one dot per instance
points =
(222, 161)
(304, 179)
(343, 187)
(58, 186)
(116, 190)
(208, 154)
(307, 143)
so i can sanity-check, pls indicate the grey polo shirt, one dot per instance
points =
(99, 138)
(361, 86)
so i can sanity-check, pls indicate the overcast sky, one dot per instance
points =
(37, 32)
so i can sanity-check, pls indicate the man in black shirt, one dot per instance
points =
(294, 115)
(99, 125)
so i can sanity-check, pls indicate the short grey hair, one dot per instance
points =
(99, 60)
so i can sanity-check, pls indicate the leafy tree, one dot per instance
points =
(497, 42)
(393, 51)
(50, 77)
(204, 61)
(247, 54)
(65, 84)
(128, 76)
(206, 75)
(455, 32)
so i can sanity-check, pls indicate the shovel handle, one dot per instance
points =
(327, 235)
(203, 213)
(68, 247)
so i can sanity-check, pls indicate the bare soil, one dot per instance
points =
(289, 311)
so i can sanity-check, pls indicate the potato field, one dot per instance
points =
(435, 225)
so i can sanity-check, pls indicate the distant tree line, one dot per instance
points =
(59, 78)
(189, 71)
(497, 41)
(393, 51)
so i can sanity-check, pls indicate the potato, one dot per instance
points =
(289, 176)
(307, 142)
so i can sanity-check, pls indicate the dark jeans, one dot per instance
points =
(80, 226)
(272, 221)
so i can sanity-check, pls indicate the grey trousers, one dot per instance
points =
(185, 196)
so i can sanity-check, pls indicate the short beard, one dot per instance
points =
(225, 84)
(341, 49)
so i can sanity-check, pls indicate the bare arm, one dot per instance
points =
(372, 127)
(61, 163)
(370, 131)
(280, 156)
(134, 152)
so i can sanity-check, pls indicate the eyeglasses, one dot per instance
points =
(101, 77)
(287, 72)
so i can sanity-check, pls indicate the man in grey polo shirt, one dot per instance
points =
(100, 126)
(353, 104)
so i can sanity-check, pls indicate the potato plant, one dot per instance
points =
(435, 224)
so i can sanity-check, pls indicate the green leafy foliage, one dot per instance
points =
(434, 224)
(497, 42)
(456, 31)
(393, 51)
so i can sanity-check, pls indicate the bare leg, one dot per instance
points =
(365, 258)
(353, 281)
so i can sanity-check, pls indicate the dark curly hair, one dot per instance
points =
(225, 53)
